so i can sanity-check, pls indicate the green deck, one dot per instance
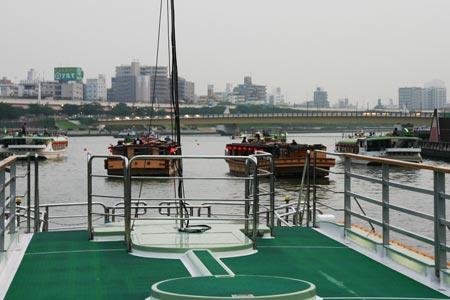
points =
(65, 265)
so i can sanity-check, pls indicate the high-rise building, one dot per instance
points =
(32, 75)
(410, 98)
(189, 91)
(95, 89)
(160, 84)
(320, 98)
(210, 89)
(72, 90)
(51, 89)
(130, 81)
(433, 95)
(251, 92)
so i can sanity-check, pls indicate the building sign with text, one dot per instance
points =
(68, 74)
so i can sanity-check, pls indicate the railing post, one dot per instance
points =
(12, 198)
(347, 190)
(308, 200)
(2, 209)
(36, 194)
(255, 204)
(247, 197)
(314, 191)
(28, 193)
(440, 253)
(127, 202)
(89, 198)
(272, 197)
(385, 200)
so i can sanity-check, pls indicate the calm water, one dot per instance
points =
(66, 181)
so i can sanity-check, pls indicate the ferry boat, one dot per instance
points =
(146, 145)
(48, 147)
(289, 158)
(404, 148)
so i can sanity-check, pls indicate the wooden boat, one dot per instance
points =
(438, 144)
(289, 158)
(143, 146)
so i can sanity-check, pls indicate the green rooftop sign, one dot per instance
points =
(68, 74)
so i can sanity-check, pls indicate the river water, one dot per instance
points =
(66, 181)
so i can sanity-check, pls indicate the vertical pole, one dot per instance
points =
(347, 190)
(440, 253)
(89, 197)
(247, 197)
(2, 209)
(127, 201)
(12, 198)
(308, 200)
(28, 193)
(36, 193)
(272, 197)
(255, 204)
(385, 207)
(314, 191)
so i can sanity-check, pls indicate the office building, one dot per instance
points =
(71, 90)
(320, 98)
(410, 98)
(251, 92)
(130, 82)
(95, 89)
(8, 88)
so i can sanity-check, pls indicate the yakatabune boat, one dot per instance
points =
(143, 146)
(49, 147)
(289, 158)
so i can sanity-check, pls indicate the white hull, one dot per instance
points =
(403, 154)
(42, 153)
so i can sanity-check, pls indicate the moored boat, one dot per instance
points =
(405, 148)
(289, 158)
(438, 144)
(48, 147)
(149, 145)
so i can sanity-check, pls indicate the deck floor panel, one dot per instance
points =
(336, 270)
(65, 265)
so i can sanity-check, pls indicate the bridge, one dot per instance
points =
(307, 118)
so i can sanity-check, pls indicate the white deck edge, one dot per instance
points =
(337, 234)
(11, 261)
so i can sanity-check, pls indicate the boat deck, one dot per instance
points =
(65, 265)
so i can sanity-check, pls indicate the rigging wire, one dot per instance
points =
(153, 96)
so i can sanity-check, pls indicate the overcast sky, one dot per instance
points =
(360, 49)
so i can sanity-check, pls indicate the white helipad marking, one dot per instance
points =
(302, 247)
(75, 251)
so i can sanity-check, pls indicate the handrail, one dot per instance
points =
(7, 162)
(438, 217)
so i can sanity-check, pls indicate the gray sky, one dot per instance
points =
(360, 49)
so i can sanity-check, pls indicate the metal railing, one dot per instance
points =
(438, 217)
(10, 199)
(168, 208)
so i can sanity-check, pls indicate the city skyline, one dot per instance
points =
(366, 57)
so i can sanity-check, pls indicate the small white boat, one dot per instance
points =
(403, 148)
(48, 147)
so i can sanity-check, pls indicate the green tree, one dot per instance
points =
(70, 109)
(121, 110)
(9, 112)
(40, 110)
(92, 109)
